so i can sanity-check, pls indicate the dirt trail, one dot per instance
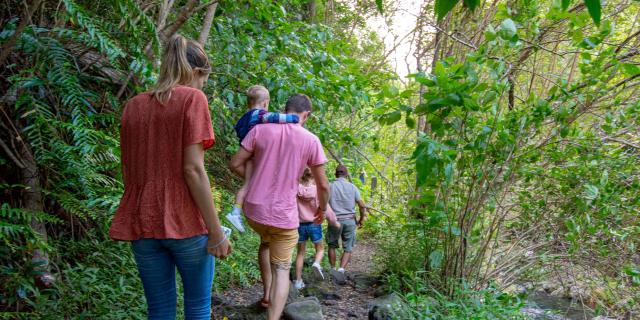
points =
(352, 303)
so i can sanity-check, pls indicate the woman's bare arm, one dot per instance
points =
(197, 180)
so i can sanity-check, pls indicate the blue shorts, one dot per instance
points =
(309, 230)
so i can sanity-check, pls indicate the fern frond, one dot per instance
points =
(23, 216)
(131, 10)
(94, 35)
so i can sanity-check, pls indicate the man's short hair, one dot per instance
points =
(257, 94)
(298, 103)
(341, 171)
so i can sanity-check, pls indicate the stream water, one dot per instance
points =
(542, 305)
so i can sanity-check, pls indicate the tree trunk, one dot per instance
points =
(206, 23)
(311, 11)
(33, 202)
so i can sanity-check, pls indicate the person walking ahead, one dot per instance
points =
(279, 153)
(343, 198)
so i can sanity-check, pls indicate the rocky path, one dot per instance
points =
(348, 296)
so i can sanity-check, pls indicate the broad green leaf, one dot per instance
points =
(507, 29)
(471, 4)
(442, 7)
(591, 192)
(490, 33)
(425, 79)
(391, 118)
(595, 10)
(448, 172)
(410, 122)
(380, 6)
(406, 94)
(435, 259)
(452, 230)
(565, 4)
(630, 69)
(632, 270)
(452, 99)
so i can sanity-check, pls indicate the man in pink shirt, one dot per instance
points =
(280, 152)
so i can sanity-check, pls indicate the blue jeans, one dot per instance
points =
(309, 230)
(157, 260)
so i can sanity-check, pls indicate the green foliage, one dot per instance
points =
(72, 78)
(429, 303)
(443, 7)
(503, 160)
(595, 10)
(380, 6)
(505, 141)
(17, 239)
(77, 143)
(99, 279)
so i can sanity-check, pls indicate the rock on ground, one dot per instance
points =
(388, 307)
(364, 282)
(337, 277)
(304, 309)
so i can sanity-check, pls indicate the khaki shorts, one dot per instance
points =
(346, 232)
(281, 242)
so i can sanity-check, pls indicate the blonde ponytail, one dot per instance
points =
(181, 58)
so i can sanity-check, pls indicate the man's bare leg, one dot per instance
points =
(344, 261)
(279, 290)
(332, 257)
(265, 270)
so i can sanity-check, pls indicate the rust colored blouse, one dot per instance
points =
(157, 202)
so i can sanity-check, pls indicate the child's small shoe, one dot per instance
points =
(317, 270)
(299, 284)
(236, 219)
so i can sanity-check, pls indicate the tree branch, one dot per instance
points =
(626, 143)
(207, 22)
(11, 155)
(7, 47)
(183, 16)
(372, 165)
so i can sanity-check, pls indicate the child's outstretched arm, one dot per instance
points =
(275, 117)
(331, 218)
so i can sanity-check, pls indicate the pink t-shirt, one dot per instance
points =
(280, 154)
(308, 204)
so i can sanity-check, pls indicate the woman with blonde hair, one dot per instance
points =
(167, 211)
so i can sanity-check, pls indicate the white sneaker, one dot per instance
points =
(236, 221)
(317, 270)
(299, 284)
(341, 270)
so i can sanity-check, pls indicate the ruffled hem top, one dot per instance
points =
(157, 202)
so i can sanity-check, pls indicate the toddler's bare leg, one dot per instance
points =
(242, 193)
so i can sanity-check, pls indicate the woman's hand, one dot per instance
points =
(219, 245)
